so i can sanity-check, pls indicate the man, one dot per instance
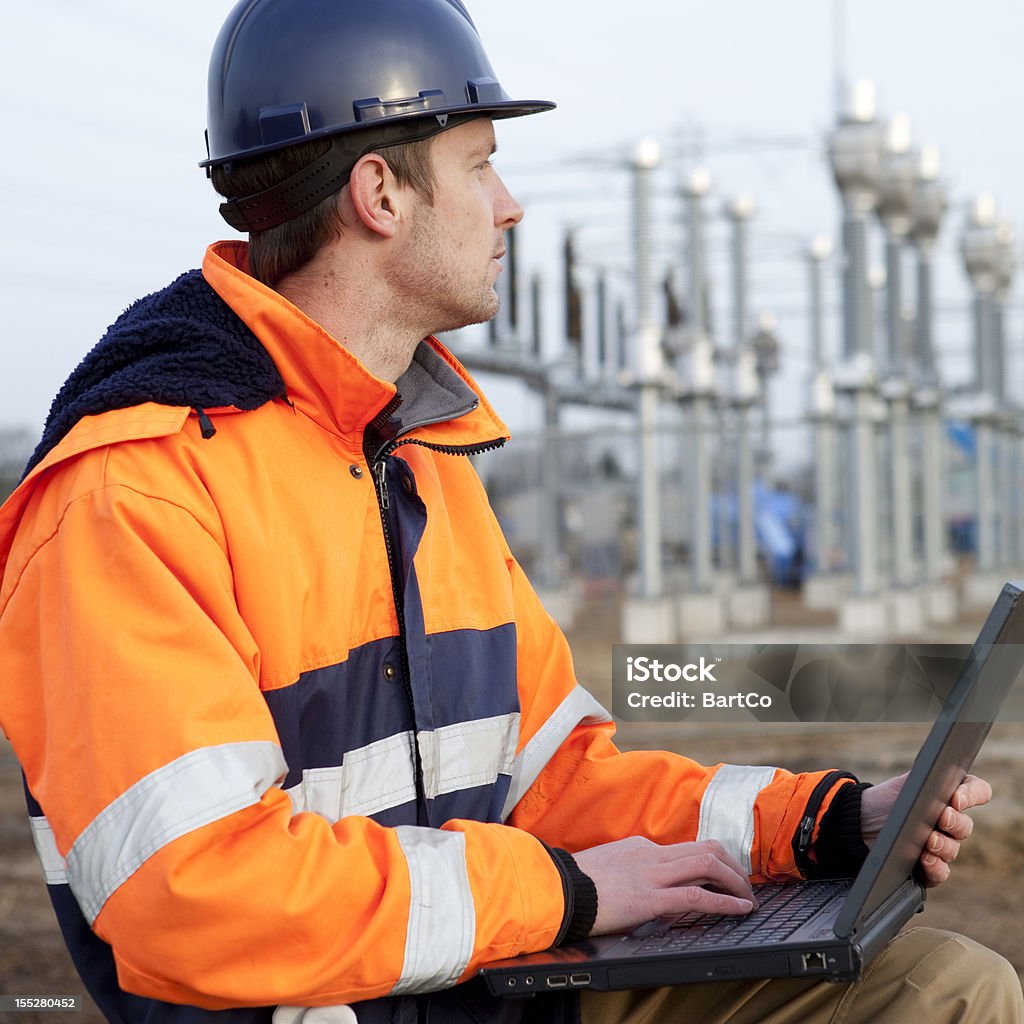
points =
(296, 731)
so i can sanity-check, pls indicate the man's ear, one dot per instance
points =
(373, 191)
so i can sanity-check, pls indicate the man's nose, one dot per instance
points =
(507, 211)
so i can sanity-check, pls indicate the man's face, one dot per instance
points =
(448, 266)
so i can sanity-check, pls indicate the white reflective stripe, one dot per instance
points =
(190, 792)
(379, 776)
(55, 867)
(727, 808)
(442, 917)
(468, 754)
(338, 1014)
(371, 779)
(579, 706)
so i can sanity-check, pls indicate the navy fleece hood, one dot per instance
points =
(182, 346)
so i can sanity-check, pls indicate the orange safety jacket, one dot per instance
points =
(294, 724)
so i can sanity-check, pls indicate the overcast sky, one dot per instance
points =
(104, 111)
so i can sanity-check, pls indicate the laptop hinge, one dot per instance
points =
(880, 925)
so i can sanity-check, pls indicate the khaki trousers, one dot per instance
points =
(923, 976)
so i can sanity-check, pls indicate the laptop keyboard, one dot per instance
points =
(781, 909)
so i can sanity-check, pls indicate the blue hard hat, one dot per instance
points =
(287, 71)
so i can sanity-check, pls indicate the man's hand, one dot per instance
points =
(952, 828)
(637, 880)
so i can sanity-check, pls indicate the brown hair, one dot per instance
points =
(279, 251)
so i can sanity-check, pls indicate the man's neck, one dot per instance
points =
(356, 318)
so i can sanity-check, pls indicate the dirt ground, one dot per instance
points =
(985, 900)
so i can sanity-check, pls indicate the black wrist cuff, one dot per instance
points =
(839, 850)
(580, 899)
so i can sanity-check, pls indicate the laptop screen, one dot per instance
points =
(993, 666)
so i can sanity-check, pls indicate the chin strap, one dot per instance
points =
(327, 175)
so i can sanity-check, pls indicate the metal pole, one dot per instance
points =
(988, 544)
(998, 328)
(1006, 269)
(700, 554)
(933, 470)
(512, 293)
(649, 496)
(984, 369)
(1007, 459)
(817, 254)
(925, 345)
(979, 248)
(621, 353)
(894, 305)
(739, 274)
(933, 492)
(694, 252)
(603, 368)
(550, 510)
(986, 496)
(766, 433)
(1004, 465)
(927, 210)
(739, 211)
(858, 345)
(822, 406)
(725, 475)
(649, 364)
(900, 479)
(746, 474)
(536, 316)
(700, 404)
(824, 525)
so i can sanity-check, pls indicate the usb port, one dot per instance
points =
(557, 981)
(579, 979)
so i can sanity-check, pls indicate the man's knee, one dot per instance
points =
(939, 976)
(922, 975)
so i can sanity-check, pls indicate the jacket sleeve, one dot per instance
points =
(574, 789)
(129, 684)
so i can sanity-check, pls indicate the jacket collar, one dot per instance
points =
(439, 402)
(436, 401)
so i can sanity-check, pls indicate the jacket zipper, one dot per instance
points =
(379, 469)
(802, 839)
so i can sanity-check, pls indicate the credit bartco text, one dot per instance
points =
(652, 670)
(679, 699)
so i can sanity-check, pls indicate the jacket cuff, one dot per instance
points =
(580, 899)
(839, 850)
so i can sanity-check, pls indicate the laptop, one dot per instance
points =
(828, 929)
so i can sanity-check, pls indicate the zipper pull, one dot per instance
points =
(380, 471)
(803, 835)
(805, 830)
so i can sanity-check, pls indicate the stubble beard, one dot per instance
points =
(436, 288)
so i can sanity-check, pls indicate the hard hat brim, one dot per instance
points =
(499, 110)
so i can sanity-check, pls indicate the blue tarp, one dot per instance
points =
(780, 519)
